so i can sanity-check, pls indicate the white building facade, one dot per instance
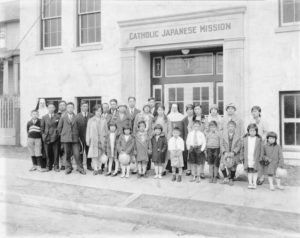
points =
(244, 52)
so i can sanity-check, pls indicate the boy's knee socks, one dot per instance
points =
(39, 160)
(34, 160)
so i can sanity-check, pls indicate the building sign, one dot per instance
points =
(171, 32)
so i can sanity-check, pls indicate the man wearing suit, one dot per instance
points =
(62, 107)
(152, 104)
(82, 119)
(106, 113)
(113, 108)
(69, 136)
(132, 111)
(51, 138)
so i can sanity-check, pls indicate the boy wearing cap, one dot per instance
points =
(230, 150)
(50, 137)
(231, 116)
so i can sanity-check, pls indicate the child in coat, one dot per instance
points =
(251, 153)
(142, 148)
(213, 139)
(34, 141)
(230, 151)
(126, 145)
(176, 147)
(196, 144)
(159, 148)
(111, 149)
(272, 159)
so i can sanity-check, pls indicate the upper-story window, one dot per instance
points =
(51, 24)
(2, 35)
(289, 12)
(89, 21)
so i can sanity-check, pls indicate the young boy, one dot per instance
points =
(111, 149)
(196, 144)
(213, 150)
(230, 150)
(176, 147)
(34, 141)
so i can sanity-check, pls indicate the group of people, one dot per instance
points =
(122, 139)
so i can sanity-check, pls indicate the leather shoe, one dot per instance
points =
(82, 171)
(68, 171)
(89, 167)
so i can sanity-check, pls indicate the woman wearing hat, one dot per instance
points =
(146, 116)
(231, 116)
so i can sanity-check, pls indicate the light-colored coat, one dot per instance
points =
(258, 152)
(235, 147)
(95, 136)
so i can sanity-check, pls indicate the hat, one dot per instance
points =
(271, 134)
(158, 126)
(256, 108)
(214, 106)
(231, 105)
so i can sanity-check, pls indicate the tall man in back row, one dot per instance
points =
(82, 119)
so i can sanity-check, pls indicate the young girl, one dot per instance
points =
(111, 149)
(95, 138)
(142, 148)
(176, 147)
(251, 153)
(213, 139)
(272, 159)
(159, 148)
(196, 144)
(187, 123)
(146, 117)
(126, 145)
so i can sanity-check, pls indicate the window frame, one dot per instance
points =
(283, 120)
(87, 98)
(79, 14)
(44, 19)
(281, 23)
(188, 55)
(217, 68)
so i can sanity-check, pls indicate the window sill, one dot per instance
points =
(290, 28)
(87, 48)
(49, 51)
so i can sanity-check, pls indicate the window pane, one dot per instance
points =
(84, 36)
(58, 38)
(196, 93)
(171, 94)
(47, 26)
(91, 35)
(91, 20)
(53, 39)
(297, 106)
(288, 11)
(52, 6)
(97, 5)
(92, 103)
(205, 93)
(289, 133)
(98, 20)
(220, 92)
(205, 108)
(181, 107)
(84, 21)
(59, 24)
(58, 7)
(180, 96)
(221, 106)
(220, 63)
(53, 25)
(297, 133)
(47, 40)
(289, 107)
(90, 5)
(98, 34)
(189, 65)
(297, 10)
(82, 6)
(46, 9)
(157, 95)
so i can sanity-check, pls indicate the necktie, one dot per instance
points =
(195, 138)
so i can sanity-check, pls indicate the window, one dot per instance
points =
(176, 95)
(157, 67)
(89, 21)
(51, 23)
(219, 63)
(189, 65)
(2, 35)
(289, 12)
(92, 101)
(54, 100)
(220, 98)
(157, 93)
(290, 119)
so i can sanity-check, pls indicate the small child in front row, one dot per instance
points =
(125, 144)
(251, 153)
(176, 147)
(142, 148)
(196, 144)
(272, 159)
(213, 139)
(34, 141)
(159, 148)
(111, 149)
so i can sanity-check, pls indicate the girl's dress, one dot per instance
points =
(125, 146)
(142, 146)
(272, 153)
(251, 156)
(159, 149)
(176, 147)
